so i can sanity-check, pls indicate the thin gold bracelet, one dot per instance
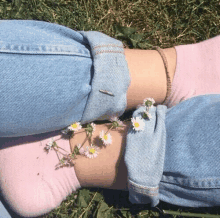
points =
(167, 72)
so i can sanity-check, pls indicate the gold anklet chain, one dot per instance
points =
(167, 72)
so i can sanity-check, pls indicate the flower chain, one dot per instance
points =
(92, 151)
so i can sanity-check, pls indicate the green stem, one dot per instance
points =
(85, 141)
(58, 151)
(59, 146)
(108, 130)
(88, 205)
(62, 149)
(189, 214)
(57, 154)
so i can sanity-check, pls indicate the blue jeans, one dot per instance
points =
(176, 157)
(53, 76)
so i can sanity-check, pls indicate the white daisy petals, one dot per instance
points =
(106, 138)
(116, 122)
(49, 145)
(75, 127)
(149, 102)
(138, 124)
(92, 151)
(93, 126)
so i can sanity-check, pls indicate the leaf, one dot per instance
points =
(104, 211)
(82, 202)
(136, 38)
(124, 31)
(98, 197)
(83, 198)
(126, 214)
(17, 3)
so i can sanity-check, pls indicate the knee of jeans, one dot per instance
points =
(33, 201)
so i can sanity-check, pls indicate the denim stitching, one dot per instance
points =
(109, 51)
(140, 189)
(109, 45)
(195, 180)
(188, 182)
(42, 49)
(140, 192)
(145, 188)
(140, 186)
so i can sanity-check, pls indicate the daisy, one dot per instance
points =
(93, 126)
(148, 102)
(138, 123)
(90, 128)
(114, 118)
(50, 144)
(63, 162)
(106, 138)
(146, 114)
(91, 152)
(75, 127)
(116, 122)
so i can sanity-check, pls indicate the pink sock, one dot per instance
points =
(28, 179)
(197, 71)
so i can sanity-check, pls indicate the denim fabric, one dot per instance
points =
(144, 157)
(185, 169)
(3, 212)
(51, 76)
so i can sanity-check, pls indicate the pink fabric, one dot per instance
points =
(28, 179)
(197, 71)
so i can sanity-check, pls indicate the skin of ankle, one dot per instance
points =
(108, 169)
(148, 75)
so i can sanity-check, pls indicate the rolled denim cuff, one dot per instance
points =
(142, 194)
(144, 156)
(110, 80)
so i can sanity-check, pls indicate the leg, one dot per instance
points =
(31, 185)
(28, 179)
(108, 169)
(148, 76)
(197, 70)
(194, 70)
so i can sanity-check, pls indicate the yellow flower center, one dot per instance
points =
(105, 137)
(136, 124)
(92, 150)
(74, 125)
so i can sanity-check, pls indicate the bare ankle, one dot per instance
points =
(148, 75)
(107, 170)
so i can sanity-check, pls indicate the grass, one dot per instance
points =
(139, 24)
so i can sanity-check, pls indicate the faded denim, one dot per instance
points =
(176, 157)
(51, 76)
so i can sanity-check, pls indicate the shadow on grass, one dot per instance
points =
(119, 200)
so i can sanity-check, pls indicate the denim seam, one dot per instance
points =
(195, 180)
(109, 45)
(140, 192)
(142, 189)
(42, 49)
(104, 73)
(109, 51)
(189, 182)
